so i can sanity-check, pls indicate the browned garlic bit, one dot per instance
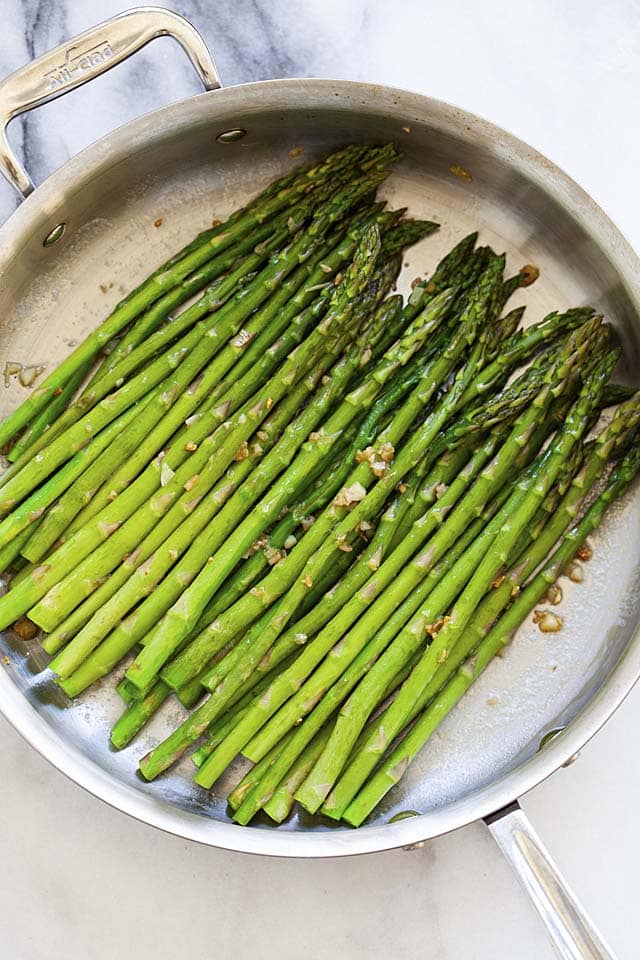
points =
(25, 629)
(459, 171)
(547, 621)
(368, 455)
(386, 452)
(554, 594)
(10, 370)
(191, 482)
(528, 275)
(349, 495)
(272, 555)
(242, 452)
(575, 572)
(28, 375)
(296, 152)
(493, 701)
(584, 552)
(433, 628)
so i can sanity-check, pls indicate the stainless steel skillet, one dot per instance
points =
(90, 229)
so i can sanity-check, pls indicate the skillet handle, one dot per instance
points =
(87, 56)
(573, 935)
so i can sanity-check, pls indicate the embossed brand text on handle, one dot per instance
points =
(76, 62)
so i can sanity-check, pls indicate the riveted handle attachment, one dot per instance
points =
(572, 933)
(87, 56)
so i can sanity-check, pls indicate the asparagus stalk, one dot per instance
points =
(176, 334)
(104, 525)
(42, 422)
(252, 364)
(235, 432)
(29, 512)
(209, 244)
(525, 500)
(259, 479)
(228, 321)
(396, 764)
(367, 594)
(193, 600)
(194, 657)
(348, 651)
(217, 761)
(183, 737)
(145, 577)
(143, 443)
(310, 728)
(277, 802)
(237, 585)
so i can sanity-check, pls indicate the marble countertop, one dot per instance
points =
(82, 879)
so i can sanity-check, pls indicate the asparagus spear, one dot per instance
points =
(311, 726)
(339, 657)
(171, 748)
(400, 758)
(527, 496)
(210, 243)
(276, 503)
(228, 321)
(103, 526)
(260, 478)
(85, 489)
(367, 594)
(278, 802)
(327, 338)
(333, 427)
(194, 657)
(27, 514)
(248, 375)
(42, 422)
(148, 574)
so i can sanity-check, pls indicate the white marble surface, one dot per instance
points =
(78, 878)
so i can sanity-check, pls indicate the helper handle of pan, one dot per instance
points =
(572, 934)
(87, 56)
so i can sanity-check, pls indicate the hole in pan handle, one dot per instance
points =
(87, 56)
(572, 934)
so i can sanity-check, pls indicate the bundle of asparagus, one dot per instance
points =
(311, 511)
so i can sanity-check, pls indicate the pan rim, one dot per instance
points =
(493, 796)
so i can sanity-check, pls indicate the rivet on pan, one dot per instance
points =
(572, 759)
(548, 737)
(230, 136)
(54, 235)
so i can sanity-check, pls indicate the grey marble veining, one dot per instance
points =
(80, 879)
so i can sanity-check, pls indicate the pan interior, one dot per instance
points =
(137, 206)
